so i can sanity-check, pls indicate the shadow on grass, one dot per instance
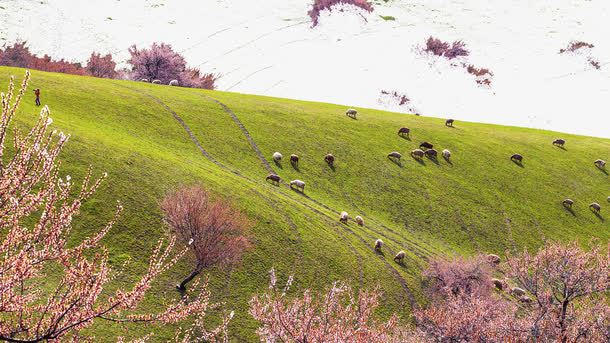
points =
(519, 163)
(379, 252)
(278, 164)
(295, 166)
(395, 161)
(448, 160)
(332, 167)
(420, 161)
(603, 170)
(570, 209)
(561, 147)
(405, 137)
(599, 216)
(433, 159)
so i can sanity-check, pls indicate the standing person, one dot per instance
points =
(37, 93)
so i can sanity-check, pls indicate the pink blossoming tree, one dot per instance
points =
(37, 206)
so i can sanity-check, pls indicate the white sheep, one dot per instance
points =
(519, 292)
(600, 163)
(359, 220)
(378, 245)
(277, 157)
(144, 80)
(351, 113)
(173, 83)
(446, 154)
(493, 259)
(400, 256)
(298, 184)
(156, 82)
(344, 217)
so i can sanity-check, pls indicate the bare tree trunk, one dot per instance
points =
(182, 286)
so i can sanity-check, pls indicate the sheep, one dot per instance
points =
(595, 207)
(330, 159)
(274, 178)
(609, 199)
(173, 83)
(449, 122)
(600, 163)
(294, 159)
(426, 145)
(298, 184)
(404, 131)
(400, 256)
(567, 203)
(359, 220)
(519, 292)
(156, 82)
(446, 154)
(559, 142)
(417, 153)
(498, 284)
(516, 157)
(378, 245)
(343, 217)
(525, 299)
(394, 155)
(144, 80)
(277, 157)
(351, 113)
(493, 259)
(431, 153)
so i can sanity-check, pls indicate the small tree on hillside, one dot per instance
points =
(160, 62)
(37, 207)
(322, 5)
(213, 229)
(101, 66)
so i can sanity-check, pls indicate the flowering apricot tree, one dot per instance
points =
(51, 290)
(337, 316)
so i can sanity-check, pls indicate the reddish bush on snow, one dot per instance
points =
(450, 51)
(576, 45)
(321, 5)
(483, 75)
(101, 66)
(401, 99)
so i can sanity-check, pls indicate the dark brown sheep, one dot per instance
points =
(394, 155)
(330, 159)
(404, 131)
(516, 157)
(351, 113)
(431, 153)
(600, 164)
(498, 284)
(568, 203)
(449, 122)
(294, 159)
(426, 145)
(595, 207)
(559, 142)
(274, 178)
(378, 245)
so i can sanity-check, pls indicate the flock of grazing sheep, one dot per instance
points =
(425, 149)
(158, 82)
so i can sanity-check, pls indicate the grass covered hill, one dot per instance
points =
(152, 138)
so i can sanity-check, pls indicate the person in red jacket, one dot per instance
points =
(37, 93)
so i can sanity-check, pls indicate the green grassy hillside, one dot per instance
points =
(481, 202)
